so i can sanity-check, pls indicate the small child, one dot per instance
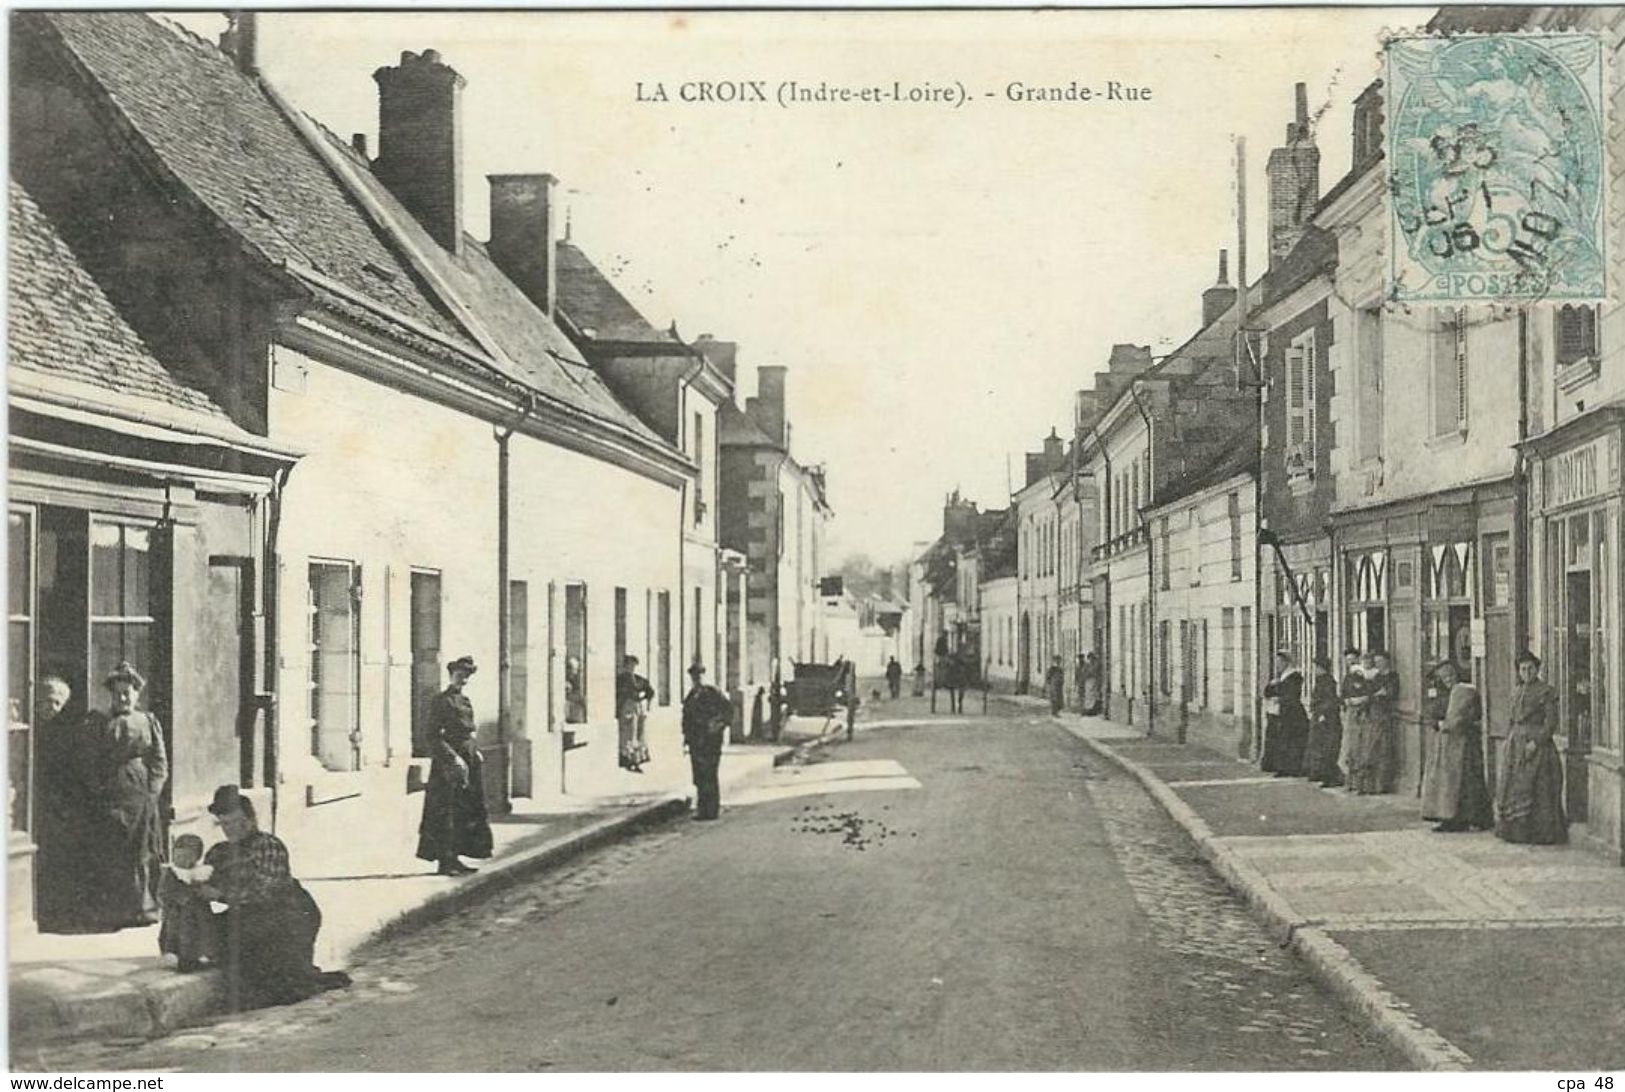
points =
(187, 930)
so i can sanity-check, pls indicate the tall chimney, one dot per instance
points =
(768, 405)
(1294, 179)
(524, 234)
(240, 41)
(723, 355)
(420, 143)
(1218, 299)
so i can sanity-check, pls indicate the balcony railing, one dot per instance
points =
(1124, 542)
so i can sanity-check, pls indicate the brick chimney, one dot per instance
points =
(420, 143)
(524, 234)
(767, 408)
(1129, 359)
(240, 41)
(1294, 180)
(1368, 124)
(1217, 300)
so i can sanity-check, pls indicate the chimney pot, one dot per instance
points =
(358, 143)
(240, 41)
(524, 234)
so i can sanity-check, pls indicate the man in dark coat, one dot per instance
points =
(894, 677)
(706, 714)
(455, 822)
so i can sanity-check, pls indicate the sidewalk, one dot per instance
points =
(1468, 952)
(111, 986)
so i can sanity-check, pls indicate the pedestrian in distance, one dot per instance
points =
(1529, 786)
(1055, 686)
(706, 716)
(1288, 728)
(455, 823)
(1325, 727)
(894, 678)
(1454, 795)
(1375, 761)
(1089, 686)
(632, 695)
(919, 680)
(1351, 699)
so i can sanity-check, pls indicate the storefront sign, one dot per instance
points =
(1572, 476)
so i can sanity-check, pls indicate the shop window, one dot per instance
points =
(334, 605)
(1575, 334)
(20, 636)
(575, 654)
(121, 608)
(426, 656)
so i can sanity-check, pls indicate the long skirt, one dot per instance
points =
(1320, 753)
(122, 853)
(455, 822)
(269, 948)
(1284, 738)
(1372, 756)
(1091, 695)
(629, 724)
(1453, 789)
(1529, 796)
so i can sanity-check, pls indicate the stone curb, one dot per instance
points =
(146, 1010)
(1423, 1047)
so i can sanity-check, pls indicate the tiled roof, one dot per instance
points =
(592, 303)
(1237, 457)
(544, 358)
(234, 150)
(735, 428)
(62, 324)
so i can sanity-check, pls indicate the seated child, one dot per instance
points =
(187, 929)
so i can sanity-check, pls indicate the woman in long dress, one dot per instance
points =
(129, 769)
(1351, 697)
(1325, 728)
(266, 936)
(1287, 734)
(455, 823)
(1529, 790)
(1453, 792)
(1375, 758)
(632, 691)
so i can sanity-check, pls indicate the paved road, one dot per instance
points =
(977, 895)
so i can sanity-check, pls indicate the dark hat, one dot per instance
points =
(464, 664)
(696, 669)
(1323, 662)
(125, 673)
(1527, 657)
(227, 799)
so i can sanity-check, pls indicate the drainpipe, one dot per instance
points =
(266, 699)
(1520, 496)
(504, 607)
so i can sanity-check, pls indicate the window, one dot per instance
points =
(518, 657)
(698, 627)
(1163, 655)
(1227, 668)
(1134, 495)
(1233, 503)
(20, 663)
(575, 654)
(1193, 547)
(1368, 414)
(1450, 375)
(1575, 334)
(334, 604)
(620, 628)
(1300, 408)
(121, 617)
(663, 646)
(425, 638)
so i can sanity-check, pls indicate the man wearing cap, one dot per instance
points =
(706, 716)
(455, 823)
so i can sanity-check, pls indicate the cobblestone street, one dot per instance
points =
(1071, 926)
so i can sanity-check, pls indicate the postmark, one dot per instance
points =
(1497, 168)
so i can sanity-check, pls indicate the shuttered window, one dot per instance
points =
(1450, 375)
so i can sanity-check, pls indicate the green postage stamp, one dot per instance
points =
(1497, 156)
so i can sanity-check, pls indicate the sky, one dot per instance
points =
(938, 278)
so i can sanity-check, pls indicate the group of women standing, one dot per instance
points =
(1348, 736)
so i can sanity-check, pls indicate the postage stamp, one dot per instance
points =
(1497, 166)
